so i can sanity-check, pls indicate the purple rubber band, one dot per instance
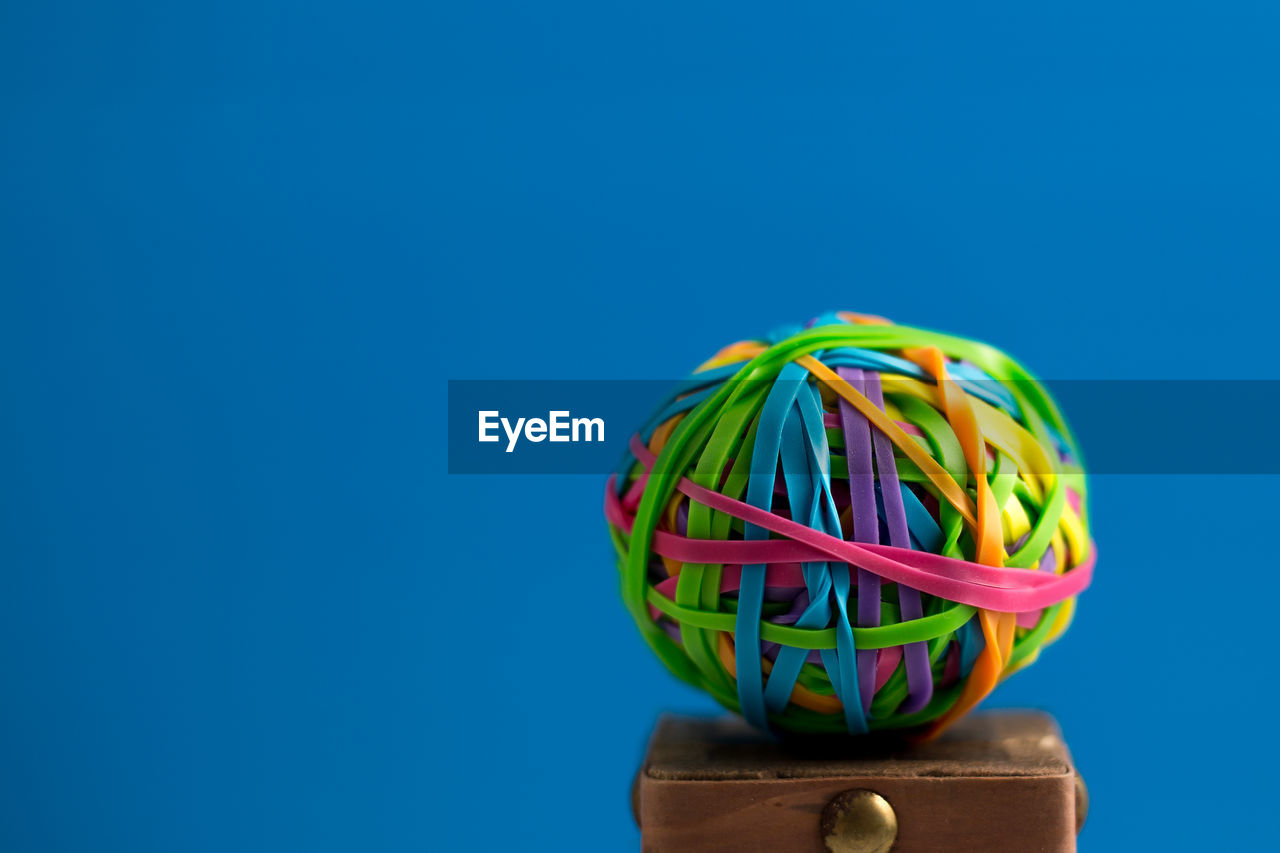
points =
(866, 523)
(915, 655)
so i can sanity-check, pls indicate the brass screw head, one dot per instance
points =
(859, 821)
(635, 796)
(1082, 802)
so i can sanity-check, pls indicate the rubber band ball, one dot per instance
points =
(852, 526)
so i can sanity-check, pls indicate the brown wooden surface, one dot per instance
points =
(994, 782)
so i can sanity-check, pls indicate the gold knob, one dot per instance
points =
(1082, 802)
(859, 821)
(635, 796)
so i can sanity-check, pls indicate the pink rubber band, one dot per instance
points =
(988, 587)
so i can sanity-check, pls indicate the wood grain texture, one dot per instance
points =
(994, 782)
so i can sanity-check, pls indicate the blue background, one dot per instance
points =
(243, 245)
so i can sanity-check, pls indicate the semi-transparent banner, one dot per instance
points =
(1120, 426)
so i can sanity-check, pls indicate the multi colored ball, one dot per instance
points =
(852, 526)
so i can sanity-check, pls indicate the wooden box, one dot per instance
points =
(994, 782)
